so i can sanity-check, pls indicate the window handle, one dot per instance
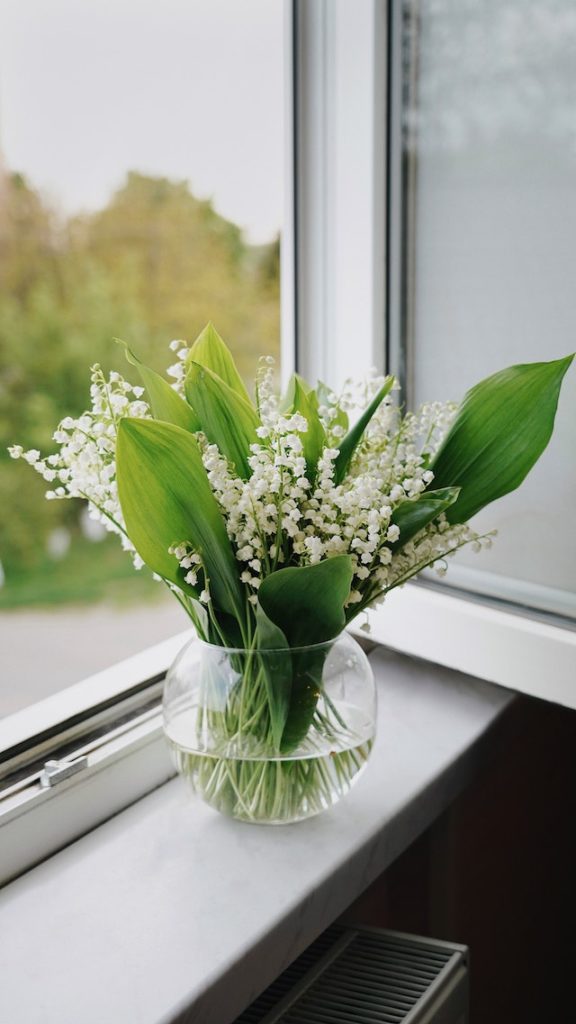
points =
(55, 772)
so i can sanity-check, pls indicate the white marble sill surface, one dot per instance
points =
(169, 912)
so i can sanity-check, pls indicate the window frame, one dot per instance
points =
(109, 724)
(363, 270)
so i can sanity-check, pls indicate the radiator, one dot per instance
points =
(368, 976)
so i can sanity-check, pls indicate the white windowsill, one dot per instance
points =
(170, 912)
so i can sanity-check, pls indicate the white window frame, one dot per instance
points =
(345, 250)
(335, 247)
(128, 760)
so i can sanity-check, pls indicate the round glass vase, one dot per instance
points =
(271, 737)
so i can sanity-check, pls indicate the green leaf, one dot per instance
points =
(307, 672)
(502, 428)
(300, 397)
(165, 403)
(307, 602)
(210, 351)
(354, 436)
(166, 499)
(226, 419)
(314, 439)
(277, 669)
(415, 513)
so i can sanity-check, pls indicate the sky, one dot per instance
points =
(188, 89)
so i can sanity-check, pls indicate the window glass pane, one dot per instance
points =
(489, 125)
(140, 196)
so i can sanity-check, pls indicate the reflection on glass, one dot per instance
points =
(140, 197)
(490, 137)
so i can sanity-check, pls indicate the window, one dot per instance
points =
(367, 285)
(486, 157)
(140, 196)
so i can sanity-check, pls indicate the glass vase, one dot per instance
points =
(271, 737)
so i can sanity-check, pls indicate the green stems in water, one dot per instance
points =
(233, 765)
(274, 791)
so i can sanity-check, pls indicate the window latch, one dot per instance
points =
(55, 772)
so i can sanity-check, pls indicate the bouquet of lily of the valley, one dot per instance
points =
(276, 519)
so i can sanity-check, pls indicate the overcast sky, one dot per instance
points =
(184, 88)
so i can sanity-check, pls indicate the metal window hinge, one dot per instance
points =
(55, 772)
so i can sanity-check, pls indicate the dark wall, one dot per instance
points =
(497, 872)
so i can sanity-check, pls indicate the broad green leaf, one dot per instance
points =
(307, 602)
(210, 351)
(354, 436)
(226, 419)
(307, 671)
(277, 669)
(415, 513)
(501, 429)
(314, 439)
(165, 403)
(166, 499)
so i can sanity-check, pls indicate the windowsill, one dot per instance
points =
(170, 909)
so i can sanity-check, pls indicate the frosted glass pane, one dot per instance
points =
(490, 131)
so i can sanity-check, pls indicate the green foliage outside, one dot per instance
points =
(89, 572)
(153, 265)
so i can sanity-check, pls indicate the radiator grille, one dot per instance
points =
(357, 976)
(306, 963)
